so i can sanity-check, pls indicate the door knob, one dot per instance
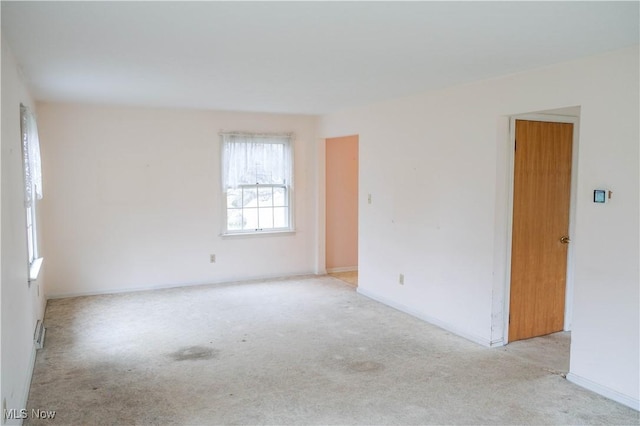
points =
(565, 240)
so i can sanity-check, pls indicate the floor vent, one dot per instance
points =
(38, 335)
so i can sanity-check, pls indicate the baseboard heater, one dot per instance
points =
(38, 335)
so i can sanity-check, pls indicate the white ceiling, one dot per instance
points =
(298, 57)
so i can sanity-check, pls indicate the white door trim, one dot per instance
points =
(568, 311)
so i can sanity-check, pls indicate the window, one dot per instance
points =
(32, 186)
(32, 240)
(257, 182)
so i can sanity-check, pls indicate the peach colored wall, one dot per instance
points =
(342, 202)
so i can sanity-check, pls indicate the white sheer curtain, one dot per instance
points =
(249, 159)
(31, 156)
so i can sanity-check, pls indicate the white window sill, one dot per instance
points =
(259, 234)
(34, 269)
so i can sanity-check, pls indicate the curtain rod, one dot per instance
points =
(257, 135)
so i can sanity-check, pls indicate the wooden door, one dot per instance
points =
(541, 200)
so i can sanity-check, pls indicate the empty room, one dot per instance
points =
(320, 213)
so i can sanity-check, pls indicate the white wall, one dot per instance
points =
(21, 304)
(437, 168)
(134, 201)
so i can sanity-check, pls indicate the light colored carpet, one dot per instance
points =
(298, 351)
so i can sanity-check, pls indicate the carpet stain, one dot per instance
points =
(366, 366)
(194, 353)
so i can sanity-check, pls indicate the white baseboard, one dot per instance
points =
(342, 269)
(179, 285)
(604, 391)
(496, 343)
(444, 325)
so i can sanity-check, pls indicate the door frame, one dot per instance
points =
(553, 118)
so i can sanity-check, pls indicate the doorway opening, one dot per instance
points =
(341, 228)
(539, 296)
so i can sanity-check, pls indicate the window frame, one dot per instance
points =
(32, 233)
(33, 249)
(288, 187)
(28, 125)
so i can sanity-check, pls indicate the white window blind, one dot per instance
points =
(255, 159)
(31, 157)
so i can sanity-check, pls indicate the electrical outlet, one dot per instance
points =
(212, 258)
(401, 279)
(369, 199)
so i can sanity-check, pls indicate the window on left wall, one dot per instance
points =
(32, 186)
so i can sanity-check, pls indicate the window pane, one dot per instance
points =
(250, 217)
(30, 234)
(249, 196)
(234, 219)
(30, 244)
(265, 197)
(281, 217)
(280, 197)
(234, 198)
(266, 218)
